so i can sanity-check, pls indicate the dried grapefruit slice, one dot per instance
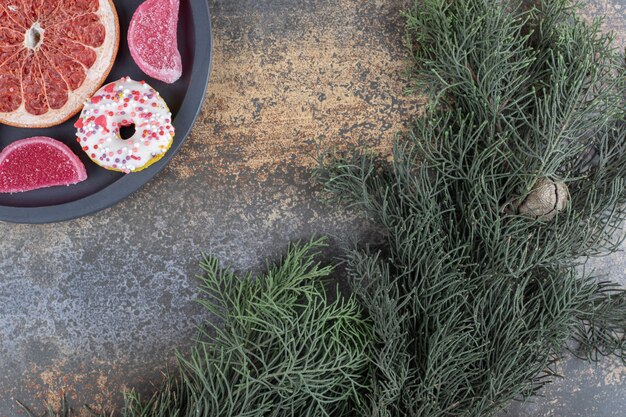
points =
(54, 54)
(152, 39)
(38, 162)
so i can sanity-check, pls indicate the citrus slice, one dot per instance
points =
(38, 162)
(152, 39)
(54, 54)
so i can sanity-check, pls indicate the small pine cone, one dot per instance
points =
(546, 199)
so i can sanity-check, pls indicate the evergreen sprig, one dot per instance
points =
(471, 301)
(279, 346)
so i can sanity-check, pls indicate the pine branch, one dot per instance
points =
(282, 347)
(473, 299)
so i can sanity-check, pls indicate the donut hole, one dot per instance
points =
(127, 131)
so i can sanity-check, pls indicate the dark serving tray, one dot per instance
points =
(105, 188)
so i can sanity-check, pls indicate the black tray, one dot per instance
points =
(105, 188)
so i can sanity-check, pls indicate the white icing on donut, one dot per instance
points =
(123, 103)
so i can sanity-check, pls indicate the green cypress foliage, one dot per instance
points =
(279, 346)
(509, 180)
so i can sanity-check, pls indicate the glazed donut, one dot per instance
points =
(124, 103)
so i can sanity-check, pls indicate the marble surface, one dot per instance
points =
(95, 305)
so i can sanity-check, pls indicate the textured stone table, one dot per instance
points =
(94, 305)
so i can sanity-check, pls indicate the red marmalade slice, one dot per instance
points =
(54, 54)
(152, 39)
(38, 162)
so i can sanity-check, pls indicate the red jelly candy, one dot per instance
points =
(152, 39)
(38, 162)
